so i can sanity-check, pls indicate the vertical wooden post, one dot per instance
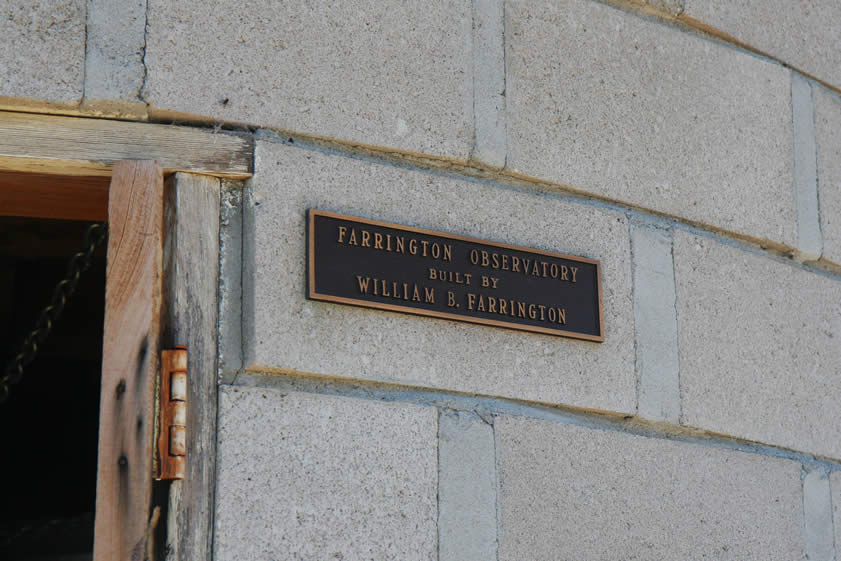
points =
(131, 350)
(191, 273)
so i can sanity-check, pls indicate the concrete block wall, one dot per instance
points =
(640, 112)
(568, 492)
(712, 399)
(803, 34)
(304, 476)
(692, 147)
(286, 332)
(44, 51)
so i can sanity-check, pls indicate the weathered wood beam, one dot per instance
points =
(191, 272)
(76, 146)
(130, 361)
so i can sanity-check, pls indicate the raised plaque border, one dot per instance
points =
(312, 294)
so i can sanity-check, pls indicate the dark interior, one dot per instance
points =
(49, 424)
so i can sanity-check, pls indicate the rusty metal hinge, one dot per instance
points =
(171, 439)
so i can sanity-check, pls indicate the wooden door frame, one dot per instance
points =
(162, 274)
(130, 363)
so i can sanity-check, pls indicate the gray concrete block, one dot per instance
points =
(809, 239)
(43, 55)
(817, 516)
(655, 321)
(835, 488)
(802, 34)
(230, 281)
(467, 525)
(569, 492)
(284, 331)
(828, 133)
(116, 38)
(384, 73)
(759, 353)
(489, 82)
(309, 477)
(636, 110)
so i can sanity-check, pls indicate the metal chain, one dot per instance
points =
(78, 264)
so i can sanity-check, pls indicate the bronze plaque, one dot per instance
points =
(391, 267)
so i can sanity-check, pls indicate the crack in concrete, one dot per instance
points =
(141, 91)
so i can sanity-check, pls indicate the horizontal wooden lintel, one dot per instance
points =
(57, 145)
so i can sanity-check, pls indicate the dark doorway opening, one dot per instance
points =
(49, 425)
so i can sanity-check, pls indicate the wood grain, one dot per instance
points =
(130, 361)
(54, 196)
(191, 272)
(76, 146)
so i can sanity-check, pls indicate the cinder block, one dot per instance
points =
(230, 281)
(309, 477)
(655, 324)
(396, 74)
(489, 81)
(759, 353)
(639, 111)
(828, 133)
(285, 331)
(809, 239)
(116, 35)
(835, 483)
(569, 492)
(467, 525)
(802, 34)
(817, 516)
(43, 55)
